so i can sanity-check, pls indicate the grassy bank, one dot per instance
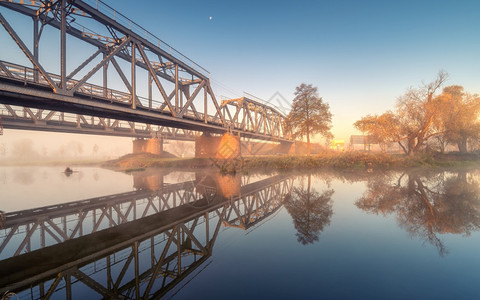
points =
(141, 161)
(327, 160)
(359, 160)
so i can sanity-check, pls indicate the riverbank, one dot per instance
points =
(327, 160)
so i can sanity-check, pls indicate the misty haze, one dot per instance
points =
(239, 150)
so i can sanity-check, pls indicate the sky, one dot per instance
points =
(361, 55)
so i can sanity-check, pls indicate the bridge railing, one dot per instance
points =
(27, 75)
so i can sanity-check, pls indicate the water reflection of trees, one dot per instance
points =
(310, 210)
(427, 205)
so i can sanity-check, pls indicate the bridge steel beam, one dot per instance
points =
(251, 115)
(61, 18)
(25, 118)
(118, 37)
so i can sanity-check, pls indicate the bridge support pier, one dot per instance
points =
(221, 147)
(153, 146)
(287, 148)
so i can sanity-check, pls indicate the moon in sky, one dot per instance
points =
(211, 18)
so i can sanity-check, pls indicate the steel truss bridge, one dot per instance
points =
(141, 244)
(155, 89)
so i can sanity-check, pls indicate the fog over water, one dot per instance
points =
(21, 145)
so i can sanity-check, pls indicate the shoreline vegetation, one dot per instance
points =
(328, 160)
(323, 161)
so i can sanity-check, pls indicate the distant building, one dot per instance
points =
(370, 143)
(364, 142)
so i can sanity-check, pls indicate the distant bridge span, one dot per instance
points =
(176, 93)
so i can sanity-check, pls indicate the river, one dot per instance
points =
(184, 234)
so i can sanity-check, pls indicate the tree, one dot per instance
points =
(76, 148)
(311, 211)
(180, 148)
(309, 114)
(62, 151)
(383, 128)
(411, 124)
(416, 112)
(458, 117)
(95, 149)
(24, 149)
(3, 149)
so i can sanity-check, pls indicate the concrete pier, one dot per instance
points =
(153, 146)
(221, 147)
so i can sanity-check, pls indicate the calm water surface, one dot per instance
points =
(162, 234)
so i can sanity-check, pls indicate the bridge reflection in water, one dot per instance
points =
(140, 244)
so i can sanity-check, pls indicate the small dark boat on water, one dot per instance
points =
(68, 171)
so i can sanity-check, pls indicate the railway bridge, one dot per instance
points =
(113, 77)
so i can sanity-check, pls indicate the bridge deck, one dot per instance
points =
(19, 88)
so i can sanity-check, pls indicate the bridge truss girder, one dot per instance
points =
(253, 116)
(26, 118)
(138, 49)
(115, 42)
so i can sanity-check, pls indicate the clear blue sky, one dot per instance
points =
(361, 55)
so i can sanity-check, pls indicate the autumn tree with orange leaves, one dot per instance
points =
(421, 114)
(458, 117)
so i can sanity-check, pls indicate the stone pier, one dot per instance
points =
(221, 147)
(153, 146)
